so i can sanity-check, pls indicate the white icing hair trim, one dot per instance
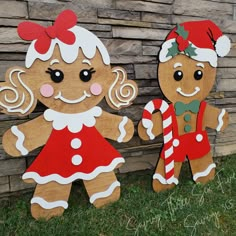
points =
(203, 54)
(20, 140)
(78, 175)
(163, 180)
(85, 40)
(19, 98)
(205, 172)
(222, 46)
(48, 205)
(106, 193)
(122, 99)
(122, 129)
(220, 120)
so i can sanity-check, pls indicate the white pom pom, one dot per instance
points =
(222, 46)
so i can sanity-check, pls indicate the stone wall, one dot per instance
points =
(133, 32)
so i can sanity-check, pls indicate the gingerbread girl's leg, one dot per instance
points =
(103, 189)
(50, 200)
(159, 183)
(203, 169)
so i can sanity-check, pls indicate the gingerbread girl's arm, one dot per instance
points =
(21, 139)
(157, 128)
(118, 128)
(216, 118)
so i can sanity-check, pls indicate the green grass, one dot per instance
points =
(188, 209)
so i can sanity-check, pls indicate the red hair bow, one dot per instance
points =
(44, 35)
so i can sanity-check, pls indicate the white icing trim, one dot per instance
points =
(205, 172)
(78, 175)
(48, 205)
(78, 100)
(86, 61)
(200, 65)
(14, 89)
(220, 120)
(105, 193)
(177, 64)
(179, 90)
(54, 61)
(20, 140)
(169, 152)
(119, 93)
(88, 42)
(148, 124)
(74, 122)
(122, 130)
(163, 180)
(203, 54)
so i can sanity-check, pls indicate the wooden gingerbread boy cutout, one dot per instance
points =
(186, 74)
(68, 70)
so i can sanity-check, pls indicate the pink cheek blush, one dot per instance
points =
(46, 90)
(96, 89)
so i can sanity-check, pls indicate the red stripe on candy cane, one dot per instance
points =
(164, 108)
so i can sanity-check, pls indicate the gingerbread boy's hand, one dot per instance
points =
(122, 127)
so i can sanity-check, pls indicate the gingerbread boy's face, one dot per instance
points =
(184, 79)
(70, 88)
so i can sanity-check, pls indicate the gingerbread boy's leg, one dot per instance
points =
(159, 182)
(103, 189)
(50, 200)
(203, 169)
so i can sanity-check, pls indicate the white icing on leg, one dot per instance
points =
(220, 120)
(48, 205)
(162, 180)
(105, 193)
(205, 172)
(122, 129)
(20, 140)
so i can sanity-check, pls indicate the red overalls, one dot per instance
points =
(194, 145)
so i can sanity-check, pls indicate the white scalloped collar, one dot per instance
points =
(74, 122)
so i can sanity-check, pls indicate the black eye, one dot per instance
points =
(86, 75)
(178, 75)
(198, 74)
(56, 75)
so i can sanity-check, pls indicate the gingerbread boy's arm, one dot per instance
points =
(21, 139)
(118, 128)
(156, 130)
(216, 118)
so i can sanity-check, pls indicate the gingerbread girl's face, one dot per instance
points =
(70, 88)
(184, 79)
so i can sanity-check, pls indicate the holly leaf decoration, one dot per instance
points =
(181, 31)
(190, 50)
(173, 50)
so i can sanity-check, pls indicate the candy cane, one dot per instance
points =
(159, 104)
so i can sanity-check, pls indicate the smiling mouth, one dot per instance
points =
(82, 98)
(179, 90)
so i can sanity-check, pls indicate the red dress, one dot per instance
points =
(74, 150)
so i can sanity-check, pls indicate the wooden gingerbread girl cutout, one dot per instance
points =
(186, 74)
(68, 70)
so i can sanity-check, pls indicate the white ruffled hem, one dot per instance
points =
(78, 175)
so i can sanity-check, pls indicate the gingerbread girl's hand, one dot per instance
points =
(216, 118)
(152, 131)
(122, 127)
(21, 139)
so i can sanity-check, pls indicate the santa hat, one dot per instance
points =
(200, 40)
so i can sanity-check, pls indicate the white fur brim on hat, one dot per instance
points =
(222, 46)
(203, 54)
